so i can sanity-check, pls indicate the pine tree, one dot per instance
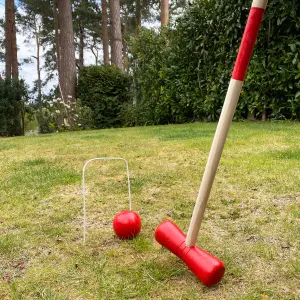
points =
(56, 34)
(116, 34)
(67, 74)
(87, 27)
(164, 12)
(30, 23)
(138, 14)
(11, 50)
(105, 32)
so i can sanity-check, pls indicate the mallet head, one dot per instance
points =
(206, 267)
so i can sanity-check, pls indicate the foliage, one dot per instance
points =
(273, 80)
(13, 96)
(182, 73)
(85, 17)
(40, 12)
(184, 64)
(104, 89)
(56, 114)
(86, 22)
(149, 51)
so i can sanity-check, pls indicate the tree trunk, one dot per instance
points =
(95, 53)
(81, 46)
(38, 60)
(9, 6)
(23, 118)
(124, 34)
(116, 35)
(264, 115)
(56, 27)
(164, 12)
(138, 16)
(105, 32)
(14, 48)
(67, 74)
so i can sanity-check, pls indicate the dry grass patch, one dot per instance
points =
(252, 220)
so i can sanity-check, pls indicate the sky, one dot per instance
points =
(29, 71)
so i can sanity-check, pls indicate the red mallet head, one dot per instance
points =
(127, 224)
(206, 267)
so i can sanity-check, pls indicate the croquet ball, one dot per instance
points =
(127, 224)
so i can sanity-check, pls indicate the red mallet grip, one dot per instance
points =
(206, 267)
(248, 42)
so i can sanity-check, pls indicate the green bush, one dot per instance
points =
(149, 62)
(182, 73)
(13, 96)
(104, 89)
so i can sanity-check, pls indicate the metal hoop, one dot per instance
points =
(84, 189)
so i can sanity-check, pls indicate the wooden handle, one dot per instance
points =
(232, 97)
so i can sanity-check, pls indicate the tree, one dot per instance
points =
(116, 34)
(13, 96)
(56, 28)
(138, 14)
(30, 22)
(8, 30)
(105, 32)
(164, 12)
(37, 33)
(67, 74)
(2, 40)
(14, 48)
(11, 50)
(46, 11)
(87, 29)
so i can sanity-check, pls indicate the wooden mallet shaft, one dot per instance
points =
(229, 107)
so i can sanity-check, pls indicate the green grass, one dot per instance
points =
(252, 220)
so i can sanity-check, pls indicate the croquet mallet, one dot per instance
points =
(206, 267)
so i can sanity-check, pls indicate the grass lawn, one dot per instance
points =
(252, 222)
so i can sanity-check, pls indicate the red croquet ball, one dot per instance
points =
(127, 224)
